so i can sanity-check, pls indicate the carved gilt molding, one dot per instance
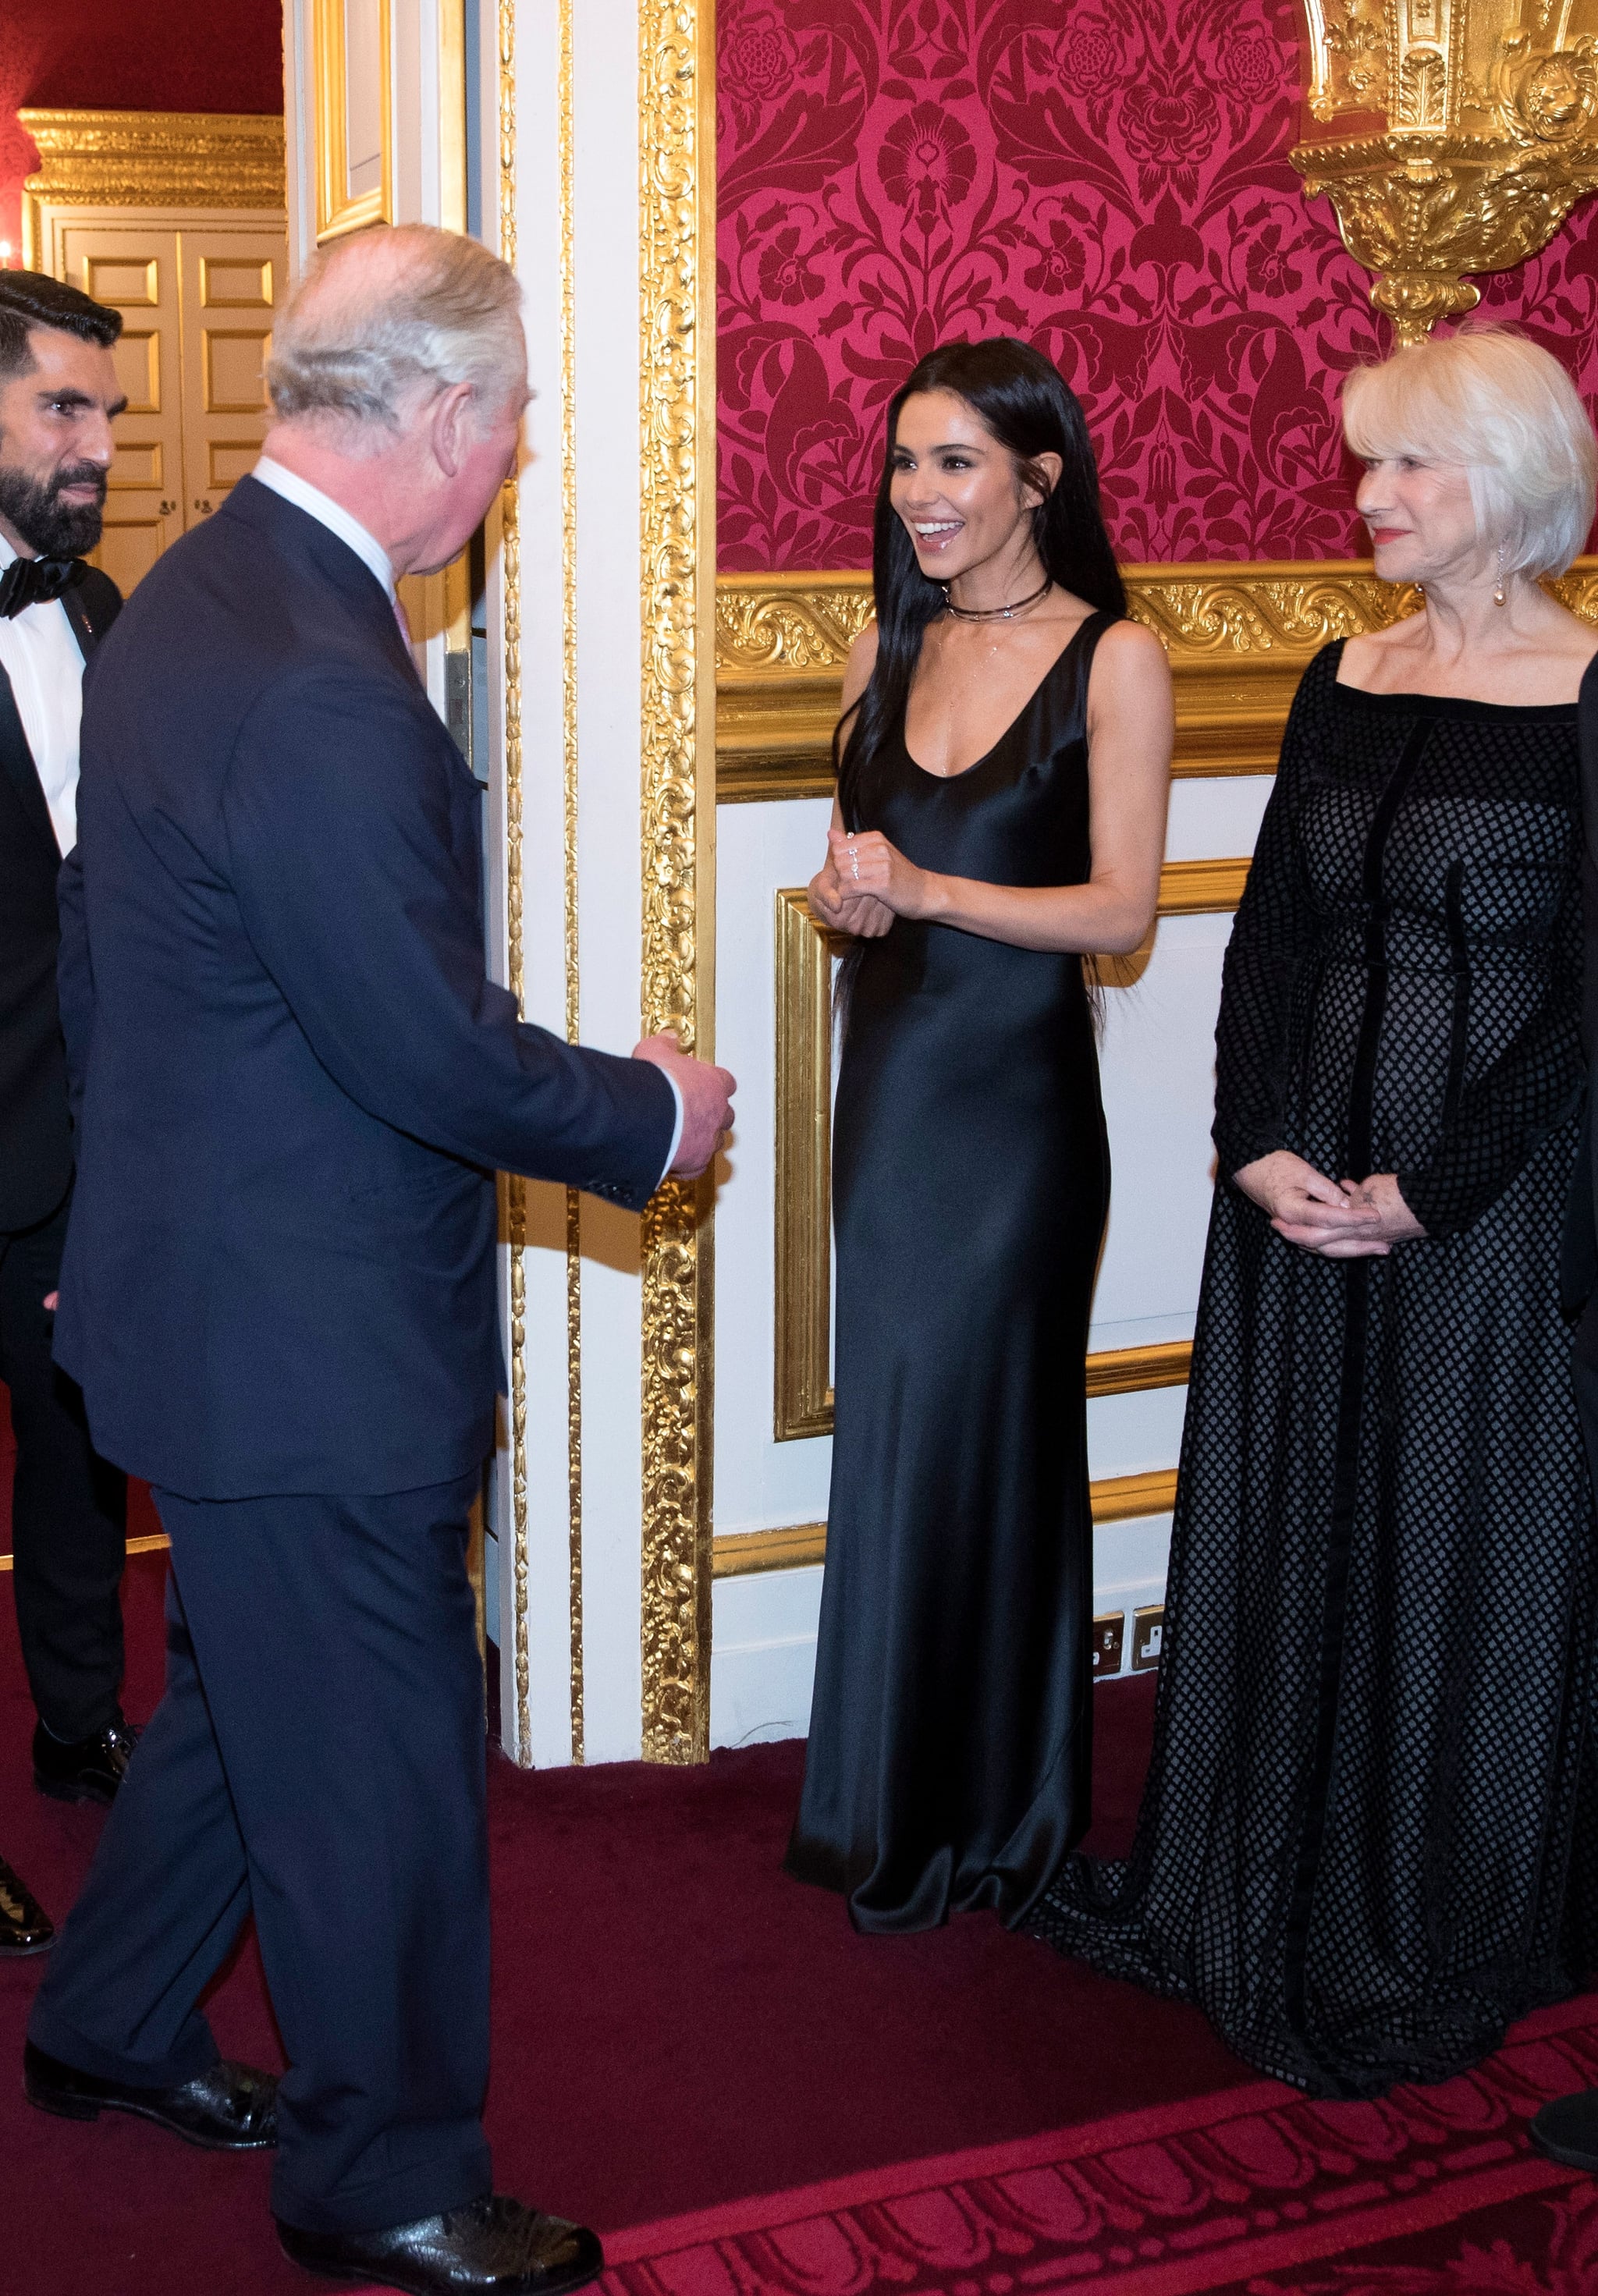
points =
(677, 222)
(149, 159)
(794, 1547)
(1239, 638)
(566, 110)
(514, 1186)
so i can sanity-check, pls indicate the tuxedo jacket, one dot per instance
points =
(36, 1148)
(295, 1079)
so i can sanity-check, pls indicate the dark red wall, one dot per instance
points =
(1108, 179)
(130, 55)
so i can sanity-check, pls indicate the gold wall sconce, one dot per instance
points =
(1471, 129)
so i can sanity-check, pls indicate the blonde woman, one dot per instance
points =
(1357, 1845)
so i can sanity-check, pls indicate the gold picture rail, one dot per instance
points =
(1192, 888)
(1127, 1370)
(1239, 637)
(1123, 1498)
(790, 1548)
(795, 1546)
(156, 1542)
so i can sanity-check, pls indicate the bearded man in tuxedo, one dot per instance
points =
(296, 1083)
(59, 393)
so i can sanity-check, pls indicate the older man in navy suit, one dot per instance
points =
(294, 1084)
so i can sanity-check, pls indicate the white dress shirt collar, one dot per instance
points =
(41, 657)
(329, 514)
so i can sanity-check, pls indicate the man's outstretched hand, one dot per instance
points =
(707, 1102)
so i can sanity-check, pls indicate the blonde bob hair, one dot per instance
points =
(1504, 409)
(384, 312)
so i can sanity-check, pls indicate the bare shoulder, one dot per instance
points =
(862, 662)
(1368, 646)
(1387, 661)
(1130, 650)
(1129, 671)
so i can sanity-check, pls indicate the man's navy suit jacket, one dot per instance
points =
(293, 1078)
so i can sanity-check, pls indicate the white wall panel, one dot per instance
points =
(1157, 1066)
(758, 1481)
(609, 641)
(765, 1639)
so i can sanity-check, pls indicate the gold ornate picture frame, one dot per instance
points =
(354, 168)
(802, 1400)
(802, 1335)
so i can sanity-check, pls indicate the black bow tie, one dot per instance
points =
(33, 582)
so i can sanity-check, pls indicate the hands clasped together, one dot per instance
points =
(864, 883)
(1340, 1219)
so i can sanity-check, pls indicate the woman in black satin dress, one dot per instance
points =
(1004, 753)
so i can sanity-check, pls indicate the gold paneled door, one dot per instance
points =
(197, 291)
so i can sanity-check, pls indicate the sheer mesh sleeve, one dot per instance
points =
(1505, 1113)
(1273, 934)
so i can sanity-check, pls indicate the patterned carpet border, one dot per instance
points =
(1206, 2195)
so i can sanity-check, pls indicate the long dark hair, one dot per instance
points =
(1031, 409)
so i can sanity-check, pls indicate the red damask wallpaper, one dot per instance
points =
(1108, 179)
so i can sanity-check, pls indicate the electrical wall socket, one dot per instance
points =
(1147, 1636)
(1107, 1642)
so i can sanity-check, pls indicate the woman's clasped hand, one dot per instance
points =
(1341, 1219)
(865, 882)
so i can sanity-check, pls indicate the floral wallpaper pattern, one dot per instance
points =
(1108, 179)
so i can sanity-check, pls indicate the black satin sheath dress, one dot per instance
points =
(948, 1756)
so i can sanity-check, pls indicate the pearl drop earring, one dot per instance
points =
(1498, 584)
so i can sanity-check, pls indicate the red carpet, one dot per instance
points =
(1254, 2190)
(678, 2028)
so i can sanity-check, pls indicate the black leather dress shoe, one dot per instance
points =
(228, 2108)
(89, 1769)
(1567, 2130)
(493, 2247)
(25, 1927)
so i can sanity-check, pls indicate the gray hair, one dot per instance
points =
(1504, 409)
(385, 311)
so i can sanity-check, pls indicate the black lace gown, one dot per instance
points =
(948, 1764)
(1366, 1842)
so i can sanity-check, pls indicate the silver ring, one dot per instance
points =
(857, 868)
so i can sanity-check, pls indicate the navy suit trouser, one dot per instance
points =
(69, 1508)
(317, 1760)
